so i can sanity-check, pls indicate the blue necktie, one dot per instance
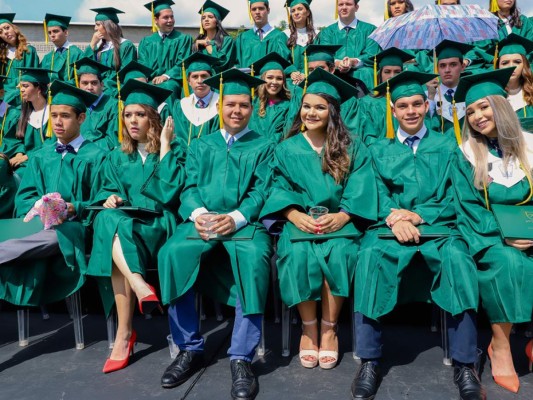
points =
(61, 148)
(230, 142)
(410, 141)
(449, 95)
(60, 50)
(260, 32)
(200, 104)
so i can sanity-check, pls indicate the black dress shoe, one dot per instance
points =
(244, 384)
(186, 364)
(467, 380)
(366, 383)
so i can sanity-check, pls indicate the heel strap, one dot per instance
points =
(327, 323)
(307, 323)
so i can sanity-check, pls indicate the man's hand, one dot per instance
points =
(71, 212)
(332, 222)
(405, 232)
(113, 201)
(432, 88)
(403, 215)
(18, 159)
(297, 77)
(223, 224)
(159, 79)
(343, 65)
(520, 244)
(302, 221)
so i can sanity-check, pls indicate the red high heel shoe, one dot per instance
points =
(509, 382)
(149, 303)
(114, 365)
(529, 353)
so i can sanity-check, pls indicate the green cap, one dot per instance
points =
(321, 52)
(392, 57)
(450, 49)
(65, 94)
(515, 44)
(292, 3)
(57, 20)
(321, 81)
(37, 75)
(159, 5)
(405, 84)
(218, 11)
(87, 65)
(258, 1)
(7, 17)
(134, 70)
(137, 92)
(235, 82)
(477, 86)
(199, 62)
(272, 61)
(105, 13)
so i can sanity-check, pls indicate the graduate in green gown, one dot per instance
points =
(15, 52)
(101, 124)
(145, 172)
(227, 255)
(213, 40)
(61, 58)
(262, 39)
(496, 169)
(352, 34)
(108, 47)
(50, 265)
(272, 99)
(165, 49)
(196, 115)
(415, 197)
(8, 188)
(319, 165)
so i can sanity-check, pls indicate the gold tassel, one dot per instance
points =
(288, 13)
(3, 124)
(336, 9)
(496, 54)
(387, 16)
(186, 91)
(494, 6)
(49, 126)
(45, 32)
(76, 79)
(456, 127)
(120, 125)
(390, 127)
(154, 26)
(201, 26)
(220, 99)
(435, 67)
(68, 63)
(375, 71)
(438, 3)
(249, 11)
(302, 127)
(252, 75)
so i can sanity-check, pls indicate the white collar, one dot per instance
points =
(352, 24)
(237, 136)
(402, 135)
(206, 99)
(76, 143)
(66, 45)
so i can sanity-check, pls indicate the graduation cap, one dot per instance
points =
(66, 94)
(321, 52)
(87, 65)
(37, 75)
(291, 3)
(137, 92)
(512, 44)
(450, 49)
(405, 84)
(272, 61)
(217, 10)
(321, 81)
(107, 13)
(132, 70)
(232, 82)
(389, 58)
(156, 7)
(7, 17)
(477, 86)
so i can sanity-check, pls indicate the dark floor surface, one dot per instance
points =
(51, 368)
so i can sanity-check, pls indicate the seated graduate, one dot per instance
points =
(226, 174)
(49, 265)
(9, 119)
(196, 114)
(8, 188)
(101, 124)
(213, 40)
(64, 54)
(319, 153)
(496, 169)
(145, 172)
(272, 99)
(415, 197)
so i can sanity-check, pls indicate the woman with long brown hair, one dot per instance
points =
(496, 170)
(146, 172)
(15, 52)
(108, 46)
(323, 192)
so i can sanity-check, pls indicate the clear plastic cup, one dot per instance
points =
(209, 223)
(316, 212)
(173, 347)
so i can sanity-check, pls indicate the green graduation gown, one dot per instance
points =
(29, 59)
(225, 55)
(101, 123)
(298, 181)
(222, 180)
(8, 189)
(10, 144)
(505, 273)
(272, 124)
(420, 183)
(61, 63)
(250, 48)
(52, 279)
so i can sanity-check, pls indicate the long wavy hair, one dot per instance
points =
(336, 160)
(21, 46)
(219, 36)
(262, 94)
(115, 33)
(27, 108)
(510, 140)
(129, 145)
(514, 17)
(309, 25)
(408, 6)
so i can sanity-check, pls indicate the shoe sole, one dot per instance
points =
(364, 398)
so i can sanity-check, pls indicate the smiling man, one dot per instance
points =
(417, 219)
(262, 39)
(226, 173)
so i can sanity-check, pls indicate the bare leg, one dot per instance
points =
(309, 340)
(502, 359)
(331, 307)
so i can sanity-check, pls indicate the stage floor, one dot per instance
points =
(51, 368)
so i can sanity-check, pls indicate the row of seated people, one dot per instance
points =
(347, 217)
